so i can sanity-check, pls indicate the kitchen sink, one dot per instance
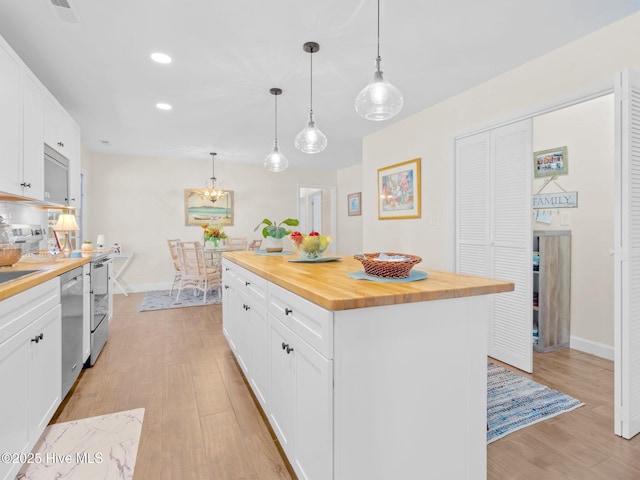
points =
(8, 276)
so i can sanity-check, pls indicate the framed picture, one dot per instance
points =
(547, 163)
(353, 204)
(399, 191)
(199, 210)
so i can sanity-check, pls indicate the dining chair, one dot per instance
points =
(173, 249)
(195, 272)
(236, 243)
(254, 245)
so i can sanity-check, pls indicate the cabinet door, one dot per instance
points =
(10, 123)
(72, 152)
(283, 391)
(313, 413)
(14, 433)
(32, 142)
(44, 370)
(258, 329)
(50, 122)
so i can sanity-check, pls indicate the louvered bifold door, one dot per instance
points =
(627, 255)
(511, 327)
(472, 205)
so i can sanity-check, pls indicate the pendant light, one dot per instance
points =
(275, 161)
(214, 191)
(379, 100)
(311, 139)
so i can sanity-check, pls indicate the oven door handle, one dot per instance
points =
(70, 284)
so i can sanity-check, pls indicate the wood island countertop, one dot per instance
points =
(46, 271)
(327, 284)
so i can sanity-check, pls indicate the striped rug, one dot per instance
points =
(515, 402)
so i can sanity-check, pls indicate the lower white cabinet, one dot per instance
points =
(30, 368)
(301, 410)
(86, 312)
(292, 380)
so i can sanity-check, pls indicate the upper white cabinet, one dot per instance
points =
(30, 117)
(32, 171)
(10, 121)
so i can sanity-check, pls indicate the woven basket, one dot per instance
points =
(386, 269)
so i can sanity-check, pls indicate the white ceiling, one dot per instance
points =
(228, 54)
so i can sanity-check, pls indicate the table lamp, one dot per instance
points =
(66, 223)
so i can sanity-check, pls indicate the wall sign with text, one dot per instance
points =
(555, 200)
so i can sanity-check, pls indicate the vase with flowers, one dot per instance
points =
(213, 234)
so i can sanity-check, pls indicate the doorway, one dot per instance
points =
(317, 210)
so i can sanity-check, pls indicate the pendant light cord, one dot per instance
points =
(276, 120)
(378, 29)
(311, 92)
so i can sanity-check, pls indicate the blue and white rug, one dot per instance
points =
(160, 299)
(515, 402)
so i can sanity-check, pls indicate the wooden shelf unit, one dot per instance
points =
(552, 290)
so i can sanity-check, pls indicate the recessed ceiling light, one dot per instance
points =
(163, 106)
(160, 57)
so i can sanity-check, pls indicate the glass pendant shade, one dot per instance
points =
(311, 139)
(276, 161)
(379, 100)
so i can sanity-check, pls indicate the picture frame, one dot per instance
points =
(354, 204)
(199, 210)
(547, 163)
(399, 195)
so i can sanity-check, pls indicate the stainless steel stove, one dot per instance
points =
(101, 292)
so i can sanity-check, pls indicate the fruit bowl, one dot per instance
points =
(9, 254)
(311, 247)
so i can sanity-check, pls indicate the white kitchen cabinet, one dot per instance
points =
(30, 368)
(10, 121)
(291, 379)
(301, 409)
(246, 327)
(32, 171)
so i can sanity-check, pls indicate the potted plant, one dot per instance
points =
(274, 233)
(87, 246)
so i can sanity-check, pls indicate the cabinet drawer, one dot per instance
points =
(312, 323)
(248, 283)
(22, 308)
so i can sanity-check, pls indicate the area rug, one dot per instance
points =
(515, 402)
(160, 299)
(103, 447)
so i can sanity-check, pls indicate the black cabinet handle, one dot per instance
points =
(37, 338)
(226, 269)
(289, 349)
(285, 345)
(25, 185)
(287, 311)
(226, 287)
(60, 144)
(246, 284)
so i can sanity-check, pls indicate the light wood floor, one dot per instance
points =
(201, 421)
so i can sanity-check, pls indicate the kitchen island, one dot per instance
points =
(363, 379)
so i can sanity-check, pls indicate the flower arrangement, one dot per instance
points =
(213, 233)
(311, 246)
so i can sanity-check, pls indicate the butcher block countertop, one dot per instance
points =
(46, 271)
(328, 284)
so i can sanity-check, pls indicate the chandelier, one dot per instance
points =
(214, 190)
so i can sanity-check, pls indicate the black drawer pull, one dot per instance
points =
(285, 345)
(226, 287)
(289, 349)
(287, 311)
(37, 338)
(247, 284)
(25, 185)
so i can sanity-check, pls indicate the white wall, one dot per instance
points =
(349, 228)
(587, 130)
(138, 202)
(584, 64)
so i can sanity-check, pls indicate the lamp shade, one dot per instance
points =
(66, 223)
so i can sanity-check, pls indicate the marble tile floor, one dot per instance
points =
(102, 447)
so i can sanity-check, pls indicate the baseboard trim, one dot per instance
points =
(593, 348)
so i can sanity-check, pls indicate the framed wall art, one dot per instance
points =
(353, 204)
(550, 162)
(199, 210)
(399, 191)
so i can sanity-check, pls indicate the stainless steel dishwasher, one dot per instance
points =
(71, 296)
